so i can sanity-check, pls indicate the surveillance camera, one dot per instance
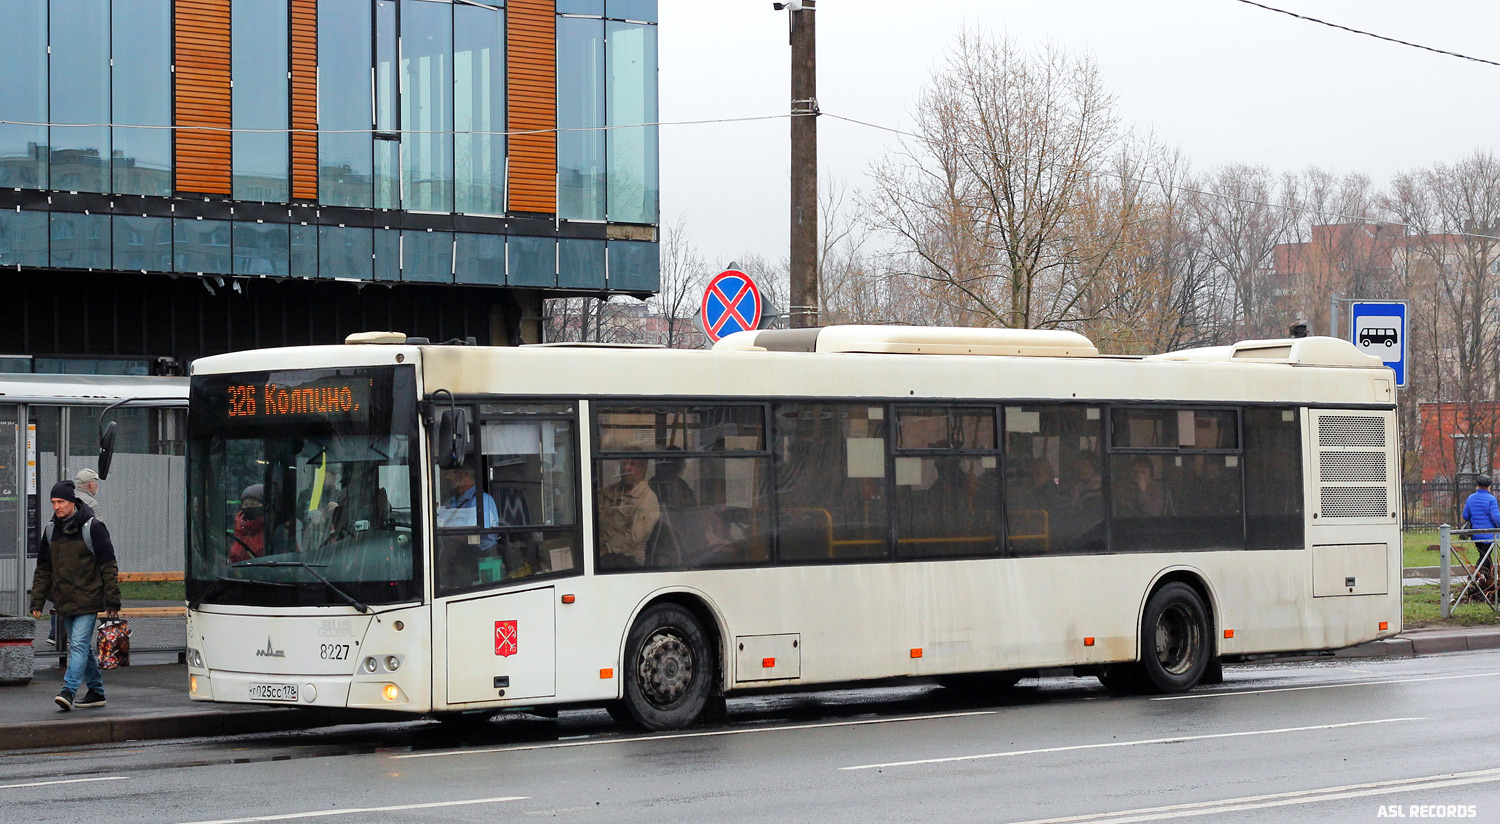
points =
(790, 5)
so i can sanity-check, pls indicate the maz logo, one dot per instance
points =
(269, 651)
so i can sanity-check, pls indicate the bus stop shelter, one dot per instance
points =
(49, 430)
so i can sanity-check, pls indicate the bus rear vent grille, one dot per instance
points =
(1354, 502)
(1352, 468)
(1351, 430)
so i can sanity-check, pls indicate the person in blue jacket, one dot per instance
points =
(1482, 512)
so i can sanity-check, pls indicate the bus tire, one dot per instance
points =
(1175, 639)
(668, 669)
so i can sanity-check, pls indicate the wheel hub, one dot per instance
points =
(666, 668)
(1176, 639)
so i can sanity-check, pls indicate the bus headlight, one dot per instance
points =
(370, 664)
(392, 663)
(195, 658)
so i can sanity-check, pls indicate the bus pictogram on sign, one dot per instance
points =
(731, 303)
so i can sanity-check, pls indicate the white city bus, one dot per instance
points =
(457, 529)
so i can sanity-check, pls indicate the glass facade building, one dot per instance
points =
(362, 140)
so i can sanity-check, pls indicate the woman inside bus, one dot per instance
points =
(248, 540)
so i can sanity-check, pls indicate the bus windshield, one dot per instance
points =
(300, 488)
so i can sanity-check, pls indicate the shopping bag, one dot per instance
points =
(113, 638)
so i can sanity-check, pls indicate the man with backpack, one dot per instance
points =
(77, 572)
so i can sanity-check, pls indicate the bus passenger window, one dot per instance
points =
(1053, 501)
(682, 487)
(947, 492)
(1176, 480)
(830, 479)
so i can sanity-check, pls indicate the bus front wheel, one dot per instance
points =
(668, 668)
(1175, 639)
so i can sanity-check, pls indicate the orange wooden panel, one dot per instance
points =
(531, 89)
(200, 45)
(304, 99)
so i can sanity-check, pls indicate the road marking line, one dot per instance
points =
(396, 808)
(62, 781)
(1325, 686)
(1176, 739)
(708, 734)
(1253, 802)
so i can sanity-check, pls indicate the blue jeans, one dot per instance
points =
(83, 666)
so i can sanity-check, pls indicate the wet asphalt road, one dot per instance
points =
(1332, 741)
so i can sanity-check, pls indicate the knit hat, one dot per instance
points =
(256, 491)
(64, 490)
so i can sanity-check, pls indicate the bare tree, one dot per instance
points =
(985, 204)
(1244, 215)
(683, 278)
(1451, 255)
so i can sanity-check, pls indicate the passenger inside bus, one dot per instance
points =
(628, 514)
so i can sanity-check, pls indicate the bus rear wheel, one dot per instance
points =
(668, 669)
(1175, 639)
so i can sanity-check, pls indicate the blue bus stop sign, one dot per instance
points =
(1379, 328)
(731, 303)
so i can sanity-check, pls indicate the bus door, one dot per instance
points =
(502, 647)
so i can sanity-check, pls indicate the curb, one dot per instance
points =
(81, 732)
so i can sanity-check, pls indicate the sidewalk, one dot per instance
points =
(146, 701)
(149, 701)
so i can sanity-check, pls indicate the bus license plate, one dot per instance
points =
(273, 692)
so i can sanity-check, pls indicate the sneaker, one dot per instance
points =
(90, 699)
(64, 699)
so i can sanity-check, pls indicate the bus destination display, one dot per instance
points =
(346, 398)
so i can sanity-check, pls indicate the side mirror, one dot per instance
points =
(452, 445)
(106, 449)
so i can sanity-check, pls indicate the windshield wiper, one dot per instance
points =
(332, 587)
(221, 580)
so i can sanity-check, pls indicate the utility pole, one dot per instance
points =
(804, 218)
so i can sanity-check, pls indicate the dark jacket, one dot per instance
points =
(75, 580)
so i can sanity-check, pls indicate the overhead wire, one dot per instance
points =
(1352, 30)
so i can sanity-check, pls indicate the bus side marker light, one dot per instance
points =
(916, 653)
(390, 693)
(606, 673)
(1228, 633)
(1088, 641)
(568, 599)
(768, 663)
(1385, 624)
(193, 684)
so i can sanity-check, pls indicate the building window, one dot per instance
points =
(141, 89)
(260, 100)
(344, 102)
(426, 106)
(479, 108)
(387, 109)
(23, 96)
(633, 185)
(80, 95)
(580, 119)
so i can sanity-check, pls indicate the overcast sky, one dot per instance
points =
(1225, 81)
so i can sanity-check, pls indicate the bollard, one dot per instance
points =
(17, 656)
(1445, 546)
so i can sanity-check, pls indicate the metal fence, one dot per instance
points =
(1428, 504)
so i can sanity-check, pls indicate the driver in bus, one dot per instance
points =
(460, 506)
(628, 513)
